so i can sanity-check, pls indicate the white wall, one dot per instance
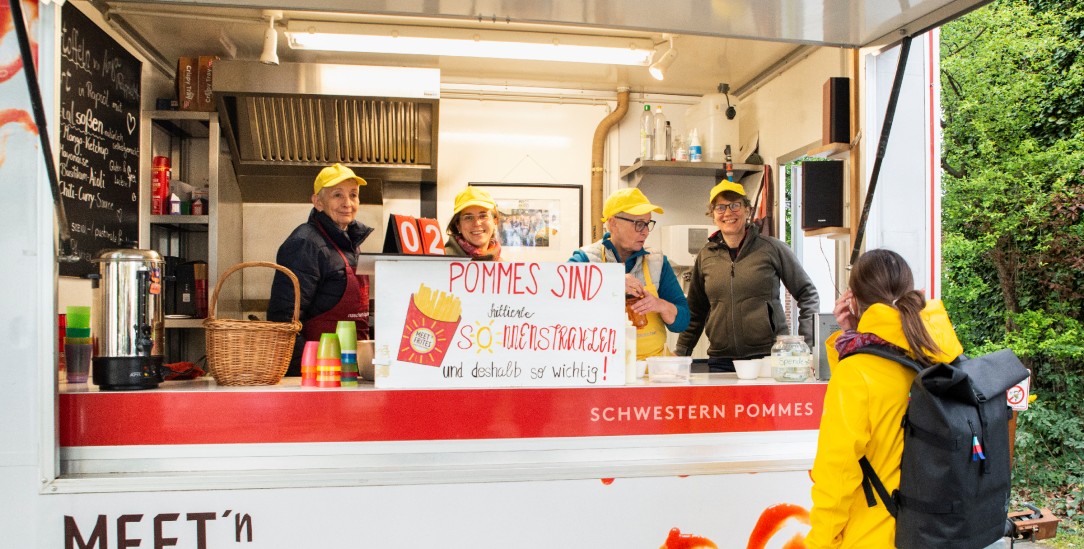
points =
(787, 111)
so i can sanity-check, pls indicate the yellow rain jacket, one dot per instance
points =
(863, 407)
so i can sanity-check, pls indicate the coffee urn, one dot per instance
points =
(127, 320)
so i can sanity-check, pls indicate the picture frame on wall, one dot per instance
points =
(539, 222)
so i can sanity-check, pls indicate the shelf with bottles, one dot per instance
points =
(635, 173)
(191, 142)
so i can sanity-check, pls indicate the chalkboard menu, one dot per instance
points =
(99, 140)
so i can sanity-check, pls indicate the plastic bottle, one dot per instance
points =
(647, 133)
(696, 152)
(669, 142)
(660, 135)
(729, 165)
(681, 152)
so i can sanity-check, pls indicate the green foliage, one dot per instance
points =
(1013, 234)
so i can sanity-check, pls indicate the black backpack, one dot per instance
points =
(954, 473)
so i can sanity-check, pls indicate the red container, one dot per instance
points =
(62, 325)
(160, 174)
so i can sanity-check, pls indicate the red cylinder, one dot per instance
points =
(160, 173)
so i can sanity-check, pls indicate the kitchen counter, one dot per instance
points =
(300, 435)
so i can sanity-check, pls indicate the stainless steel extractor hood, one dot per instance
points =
(285, 122)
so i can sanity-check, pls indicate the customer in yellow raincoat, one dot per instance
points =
(867, 397)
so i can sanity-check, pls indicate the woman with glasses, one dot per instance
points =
(472, 231)
(734, 288)
(651, 288)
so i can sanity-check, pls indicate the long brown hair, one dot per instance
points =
(882, 276)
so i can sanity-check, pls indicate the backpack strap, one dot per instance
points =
(871, 482)
(890, 354)
(930, 437)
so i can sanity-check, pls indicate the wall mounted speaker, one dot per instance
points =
(837, 111)
(822, 194)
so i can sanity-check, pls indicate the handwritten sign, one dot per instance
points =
(495, 324)
(99, 140)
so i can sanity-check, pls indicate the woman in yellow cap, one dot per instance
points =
(651, 288)
(472, 231)
(323, 254)
(734, 288)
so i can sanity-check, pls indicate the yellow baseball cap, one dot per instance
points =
(724, 186)
(628, 200)
(473, 196)
(333, 175)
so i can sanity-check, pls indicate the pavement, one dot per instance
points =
(1022, 544)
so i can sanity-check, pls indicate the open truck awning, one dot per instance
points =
(848, 23)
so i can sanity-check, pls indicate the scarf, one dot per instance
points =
(850, 341)
(491, 253)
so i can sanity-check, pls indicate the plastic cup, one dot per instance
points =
(347, 331)
(76, 332)
(308, 363)
(329, 347)
(78, 316)
(77, 361)
(328, 372)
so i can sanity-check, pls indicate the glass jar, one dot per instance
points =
(639, 320)
(791, 358)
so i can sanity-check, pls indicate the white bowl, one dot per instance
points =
(747, 369)
(669, 369)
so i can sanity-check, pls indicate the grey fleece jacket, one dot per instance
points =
(737, 302)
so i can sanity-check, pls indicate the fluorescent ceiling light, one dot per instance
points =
(494, 44)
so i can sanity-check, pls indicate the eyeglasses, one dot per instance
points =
(722, 207)
(638, 225)
(471, 218)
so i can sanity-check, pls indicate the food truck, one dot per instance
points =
(517, 442)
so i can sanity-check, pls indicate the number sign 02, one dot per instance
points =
(414, 236)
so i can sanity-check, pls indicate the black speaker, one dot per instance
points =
(822, 194)
(837, 111)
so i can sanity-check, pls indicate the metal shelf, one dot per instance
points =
(635, 173)
(187, 323)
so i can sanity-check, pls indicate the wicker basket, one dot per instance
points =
(250, 352)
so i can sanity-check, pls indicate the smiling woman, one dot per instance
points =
(735, 283)
(472, 231)
(323, 254)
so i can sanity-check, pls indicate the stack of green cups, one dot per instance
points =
(78, 345)
(348, 346)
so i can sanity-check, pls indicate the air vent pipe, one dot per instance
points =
(598, 148)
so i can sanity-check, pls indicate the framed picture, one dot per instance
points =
(538, 222)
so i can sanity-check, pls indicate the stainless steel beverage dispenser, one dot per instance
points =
(127, 319)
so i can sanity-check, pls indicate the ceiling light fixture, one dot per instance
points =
(457, 42)
(270, 55)
(658, 68)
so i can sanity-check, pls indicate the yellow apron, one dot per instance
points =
(651, 339)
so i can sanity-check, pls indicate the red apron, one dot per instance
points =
(352, 306)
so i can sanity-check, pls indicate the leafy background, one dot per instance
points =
(1012, 77)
